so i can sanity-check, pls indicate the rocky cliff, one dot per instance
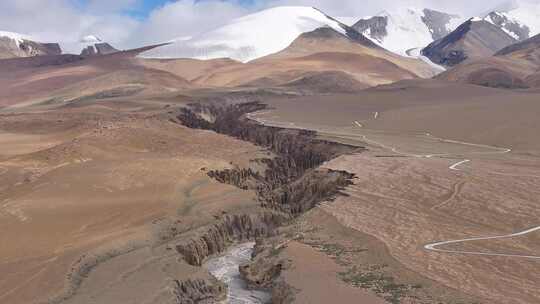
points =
(98, 49)
(199, 292)
(291, 184)
(206, 241)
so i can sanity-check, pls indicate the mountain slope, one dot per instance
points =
(250, 37)
(401, 31)
(13, 45)
(516, 66)
(476, 38)
(65, 79)
(323, 55)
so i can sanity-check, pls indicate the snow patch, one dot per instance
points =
(417, 53)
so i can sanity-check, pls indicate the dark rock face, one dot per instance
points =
(199, 292)
(437, 22)
(98, 49)
(521, 31)
(376, 26)
(290, 184)
(472, 39)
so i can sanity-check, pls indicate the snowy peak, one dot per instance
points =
(93, 46)
(440, 24)
(14, 45)
(252, 36)
(519, 19)
(16, 37)
(90, 39)
(403, 30)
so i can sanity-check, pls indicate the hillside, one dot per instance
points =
(515, 66)
(320, 51)
(476, 38)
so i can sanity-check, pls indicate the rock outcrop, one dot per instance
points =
(199, 291)
(291, 184)
(13, 45)
(93, 46)
(374, 26)
(98, 49)
(519, 31)
(215, 238)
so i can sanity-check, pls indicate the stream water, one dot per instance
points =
(225, 269)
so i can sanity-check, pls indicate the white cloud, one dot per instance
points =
(63, 20)
(186, 18)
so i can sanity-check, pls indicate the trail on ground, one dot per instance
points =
(455, 167)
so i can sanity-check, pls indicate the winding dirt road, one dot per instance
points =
(455, 167)
(434, 246)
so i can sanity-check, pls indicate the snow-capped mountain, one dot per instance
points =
(252, 36)
(16, 37)
(519, 19)
(405, 30)
(91, 45)
(19, 45)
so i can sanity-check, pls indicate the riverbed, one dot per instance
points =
(225, 269)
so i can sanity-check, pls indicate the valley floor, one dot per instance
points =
(96, 198)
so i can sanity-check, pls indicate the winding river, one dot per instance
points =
(225, 269)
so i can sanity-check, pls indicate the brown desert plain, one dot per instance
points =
(121, 177)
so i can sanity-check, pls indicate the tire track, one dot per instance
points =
(434, 246)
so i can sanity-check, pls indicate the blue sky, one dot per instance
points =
(146, 7)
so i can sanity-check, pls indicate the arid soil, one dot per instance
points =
(120, 177)
(74, 183)
(410, 189)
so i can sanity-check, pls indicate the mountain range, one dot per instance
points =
(287, 46)
(13, 45)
